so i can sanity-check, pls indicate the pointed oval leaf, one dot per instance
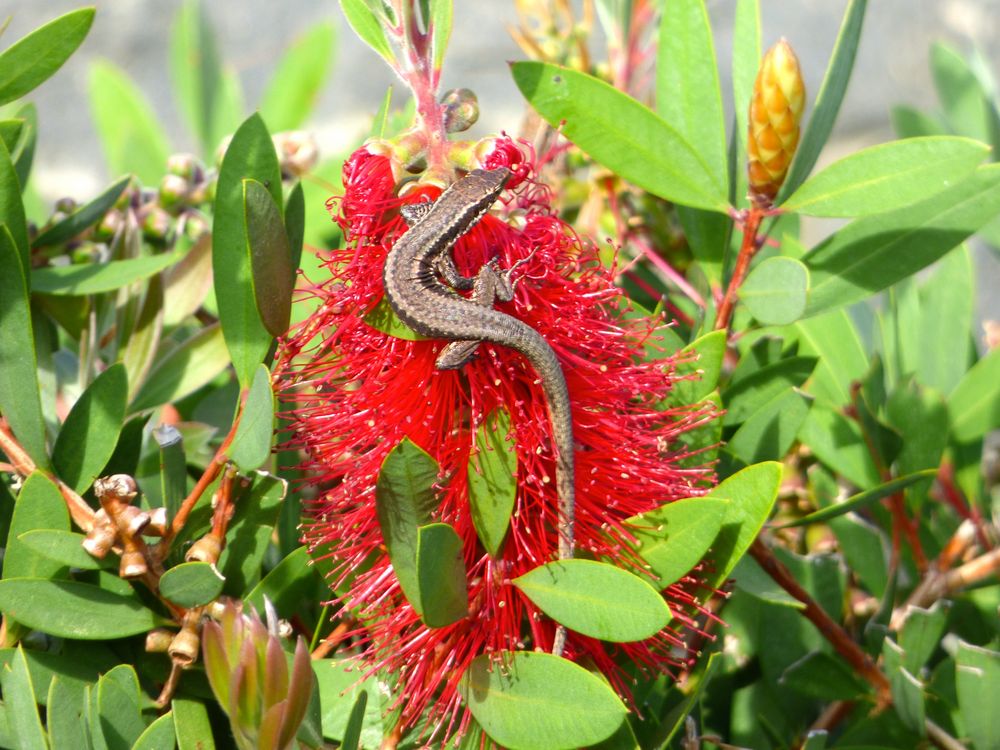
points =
(366, 25)
(20, 709)
(829, 99)
(298, 79)
(383, 318)
(596, 599)
(250, 155)
(888, 176)
(532, 701)
(748, 394)
(90, 433)
(404, 501)
(85, 216)
(196, 73)
(270, 257)
(23, 154)
(492, 473)
(622, 134)
(120, 715)
(39, 505)
(440, 25)
(874, 252)
(192, 584)
(32, 59)
(130, 132)
(63, 547)
(705, 368)
(20, 402)
(71, 609)
(12, 209)
(770, 431)
(10, 132)
(974, 405)
(688, 95)
(191, 723)
(672, 539)
(251, 445)
(159, 735)
(751, 493)
(287, 585)
(977, 683)
(184, 370)
(95, 278)
(775, 291)
(444, 595)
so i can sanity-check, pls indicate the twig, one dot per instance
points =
(748, 249)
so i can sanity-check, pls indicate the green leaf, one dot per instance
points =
(838, 443)
(769, 432)
(820, 675)
(366, 25)
(143, 340)
(921, 633)
(828, 101)
(295, 225)
(270, 258)
(977, 682)
(383, 318)
(404, 501)
(191, 584)
(866, 550)
(751, 579)
(249, 532)
(187, 284)
(834, 340)
(95, 278)
(89, 435)
(251, 445)
(12, 210)
(20, 402)
(194, 732)
(907, 691)
(39, 506)
(444, 596)
(540, 701)
(294, 87)
(159, 735)
(888, 176)
(10, 132)
(672, 539)
(23, 154)
(62, 547)
(71, 609)
(250, 155)
(355, 722)
(440, 24)
(775, 291)
(118, 698)
(874, 252)
(974, 405)
(622, 134)
(966, 105)
(64, 714)
(688, 95)
(597, 599)
(492, 473)
(20, 704)
(130, 132)
(289, 584)
(184, 370)
(862, 499)
(751, 493)
(749, 394)
(340, 691)
(746, 61)
(32, 59)
(946, 308)
(85, 216)
(701, 362)
(920, 414)
(196, 72)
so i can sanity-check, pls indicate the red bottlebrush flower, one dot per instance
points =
(360, 391)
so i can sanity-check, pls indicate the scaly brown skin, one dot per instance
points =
(413, 286)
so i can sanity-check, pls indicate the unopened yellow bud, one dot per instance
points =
(778, 100)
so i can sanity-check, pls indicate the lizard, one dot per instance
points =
(412, 278)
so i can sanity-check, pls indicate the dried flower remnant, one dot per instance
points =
(775, 111)
(359, 391)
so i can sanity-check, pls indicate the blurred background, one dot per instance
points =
(892, 68)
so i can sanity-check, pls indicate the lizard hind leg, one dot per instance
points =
(489, 285)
